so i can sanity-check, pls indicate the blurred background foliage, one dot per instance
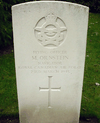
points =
(6, 37)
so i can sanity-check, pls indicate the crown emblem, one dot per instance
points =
(50, 31)
(51, 18)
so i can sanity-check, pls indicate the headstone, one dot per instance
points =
(49, 46)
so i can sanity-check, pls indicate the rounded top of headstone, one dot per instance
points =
(52, 1)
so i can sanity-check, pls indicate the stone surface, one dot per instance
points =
(49, 46)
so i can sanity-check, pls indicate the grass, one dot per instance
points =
(90, 106)
(8, 92)
(91, 93)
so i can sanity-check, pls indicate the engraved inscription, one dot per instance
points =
(50, 31)
(49, 89)
(52, 63)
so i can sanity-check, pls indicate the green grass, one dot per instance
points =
(90, 106)
(8, 92)
(91, 92)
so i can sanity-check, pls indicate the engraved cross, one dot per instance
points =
(49, 89)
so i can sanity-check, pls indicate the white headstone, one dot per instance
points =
(49, 45)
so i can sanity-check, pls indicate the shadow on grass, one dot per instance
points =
(3, 116)
(14, 118)
(88, 119)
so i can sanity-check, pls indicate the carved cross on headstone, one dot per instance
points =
(49, 89)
